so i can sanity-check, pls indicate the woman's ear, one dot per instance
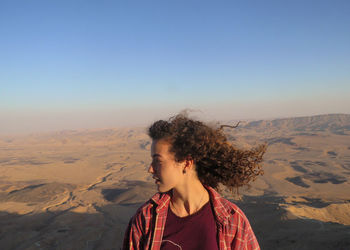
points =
(189, 163)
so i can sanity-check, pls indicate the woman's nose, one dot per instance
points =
(150, 169)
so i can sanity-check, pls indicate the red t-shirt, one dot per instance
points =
(196, 231)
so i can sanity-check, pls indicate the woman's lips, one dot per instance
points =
(157, 180)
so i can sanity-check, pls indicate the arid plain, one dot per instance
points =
(78, 189)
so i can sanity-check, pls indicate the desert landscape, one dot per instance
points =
(78, 189)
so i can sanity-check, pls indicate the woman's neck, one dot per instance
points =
(188, 198)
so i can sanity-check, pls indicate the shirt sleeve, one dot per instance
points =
(133, 234)
(245, 237)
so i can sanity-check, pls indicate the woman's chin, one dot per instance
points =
(162, 189)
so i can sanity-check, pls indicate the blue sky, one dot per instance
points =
(77, 64)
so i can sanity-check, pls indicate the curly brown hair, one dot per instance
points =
(216, 160)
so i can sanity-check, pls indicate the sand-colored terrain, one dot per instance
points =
(78, 189)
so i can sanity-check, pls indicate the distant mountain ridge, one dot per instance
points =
(336, 123)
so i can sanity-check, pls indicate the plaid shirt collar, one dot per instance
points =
(162, 200)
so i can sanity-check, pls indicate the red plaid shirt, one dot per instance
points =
(146, 227)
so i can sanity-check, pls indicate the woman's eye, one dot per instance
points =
(157, 162)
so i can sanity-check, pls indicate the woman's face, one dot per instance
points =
(165, 170)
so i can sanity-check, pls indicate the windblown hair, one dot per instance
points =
(216, 160)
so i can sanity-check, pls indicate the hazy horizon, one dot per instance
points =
(52, 126)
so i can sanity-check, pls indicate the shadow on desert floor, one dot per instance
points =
(104, 229)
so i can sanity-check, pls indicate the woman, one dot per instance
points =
(189, 161)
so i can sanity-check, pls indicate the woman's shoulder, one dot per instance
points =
(232, 208)
(158, 200)
(225, 208)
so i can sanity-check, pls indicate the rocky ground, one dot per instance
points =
(78, 189)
